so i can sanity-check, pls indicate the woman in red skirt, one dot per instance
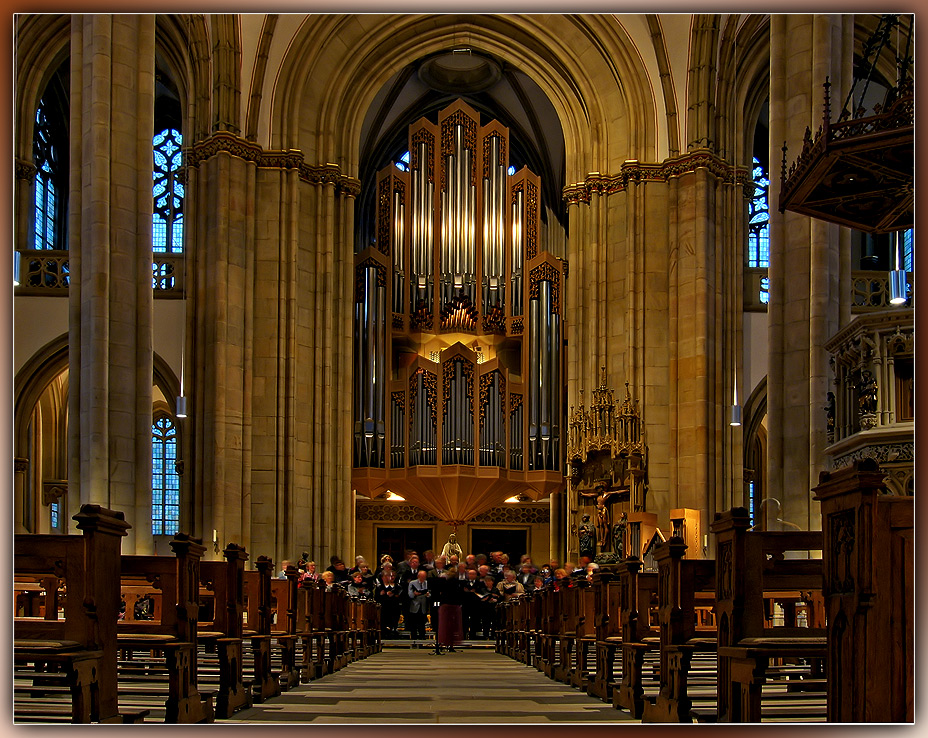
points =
(450, 621)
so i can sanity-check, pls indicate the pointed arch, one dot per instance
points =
(605, 105)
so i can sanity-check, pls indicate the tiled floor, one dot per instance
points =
(410, 685)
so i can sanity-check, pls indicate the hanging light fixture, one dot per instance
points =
(735, 410)
(897, 280)
(181, 407)
(735, 415)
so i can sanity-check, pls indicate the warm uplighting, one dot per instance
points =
(394, 496)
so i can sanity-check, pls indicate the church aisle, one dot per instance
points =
(476, 685)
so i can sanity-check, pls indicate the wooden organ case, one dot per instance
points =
(458, 328)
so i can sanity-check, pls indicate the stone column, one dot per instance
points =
(110, 345)
(805, 263)
(20, 470)
(220, 189)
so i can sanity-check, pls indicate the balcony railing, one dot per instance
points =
(48, 273)
(869, 291)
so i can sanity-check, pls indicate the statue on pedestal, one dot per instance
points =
(585, 534)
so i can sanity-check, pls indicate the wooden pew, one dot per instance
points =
(638, 591)
(868, 567)
(534, 626)
(680, 584)
(608, 631)
(175, 634)
(258, 616)
(223, 635)
(336, 627)
(576, 627)
(748, 565)
(284, 626)
(548, 633)
(311, 617)
(82, 645)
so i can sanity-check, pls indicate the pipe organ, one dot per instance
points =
(459, 387)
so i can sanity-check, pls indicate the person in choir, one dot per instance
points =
(428, 559)
(337, 567)
(470, 561)
(450, 621)
(388, 594)
(406, 570)
(472, 590)
(510, 586)
(357, 587)
(526, 575)
(328, 580)
(439, 568)
(490, 599)
(538, 582)
(310, 576)
(387, 567)
(367, 575)
(385, 559)
(283, 569)
(418, 593)
(357, 564)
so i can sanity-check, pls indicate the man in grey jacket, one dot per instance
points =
(418, 591)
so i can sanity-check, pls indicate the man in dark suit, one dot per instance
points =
(471, 591)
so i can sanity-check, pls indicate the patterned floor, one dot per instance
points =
(410, 686)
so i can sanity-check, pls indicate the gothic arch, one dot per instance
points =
(227, 72)
(182, 47)
(38, 376)
(755, 444)
(605, 105)
(42, 46)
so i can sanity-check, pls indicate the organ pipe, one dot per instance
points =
(370, 314)
(467, 255)
(517, 210)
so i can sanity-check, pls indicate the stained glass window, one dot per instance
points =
(48, 227)
(759, 222)
(168, 192)
(165, 481)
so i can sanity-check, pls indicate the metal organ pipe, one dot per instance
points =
(493, 235)
(517, 209)
(534, 382)
(399, 233)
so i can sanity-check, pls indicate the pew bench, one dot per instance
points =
(752, 650)
(172, 674)
(64, 645)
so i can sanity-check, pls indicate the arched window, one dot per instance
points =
(165, 481)
(168, 192)
(50, 156)
(759, 221)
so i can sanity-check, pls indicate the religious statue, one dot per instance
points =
(452, 548)
(618, 536)
(586, 536)
(866, 393)
(602, 522)
(830, 416)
